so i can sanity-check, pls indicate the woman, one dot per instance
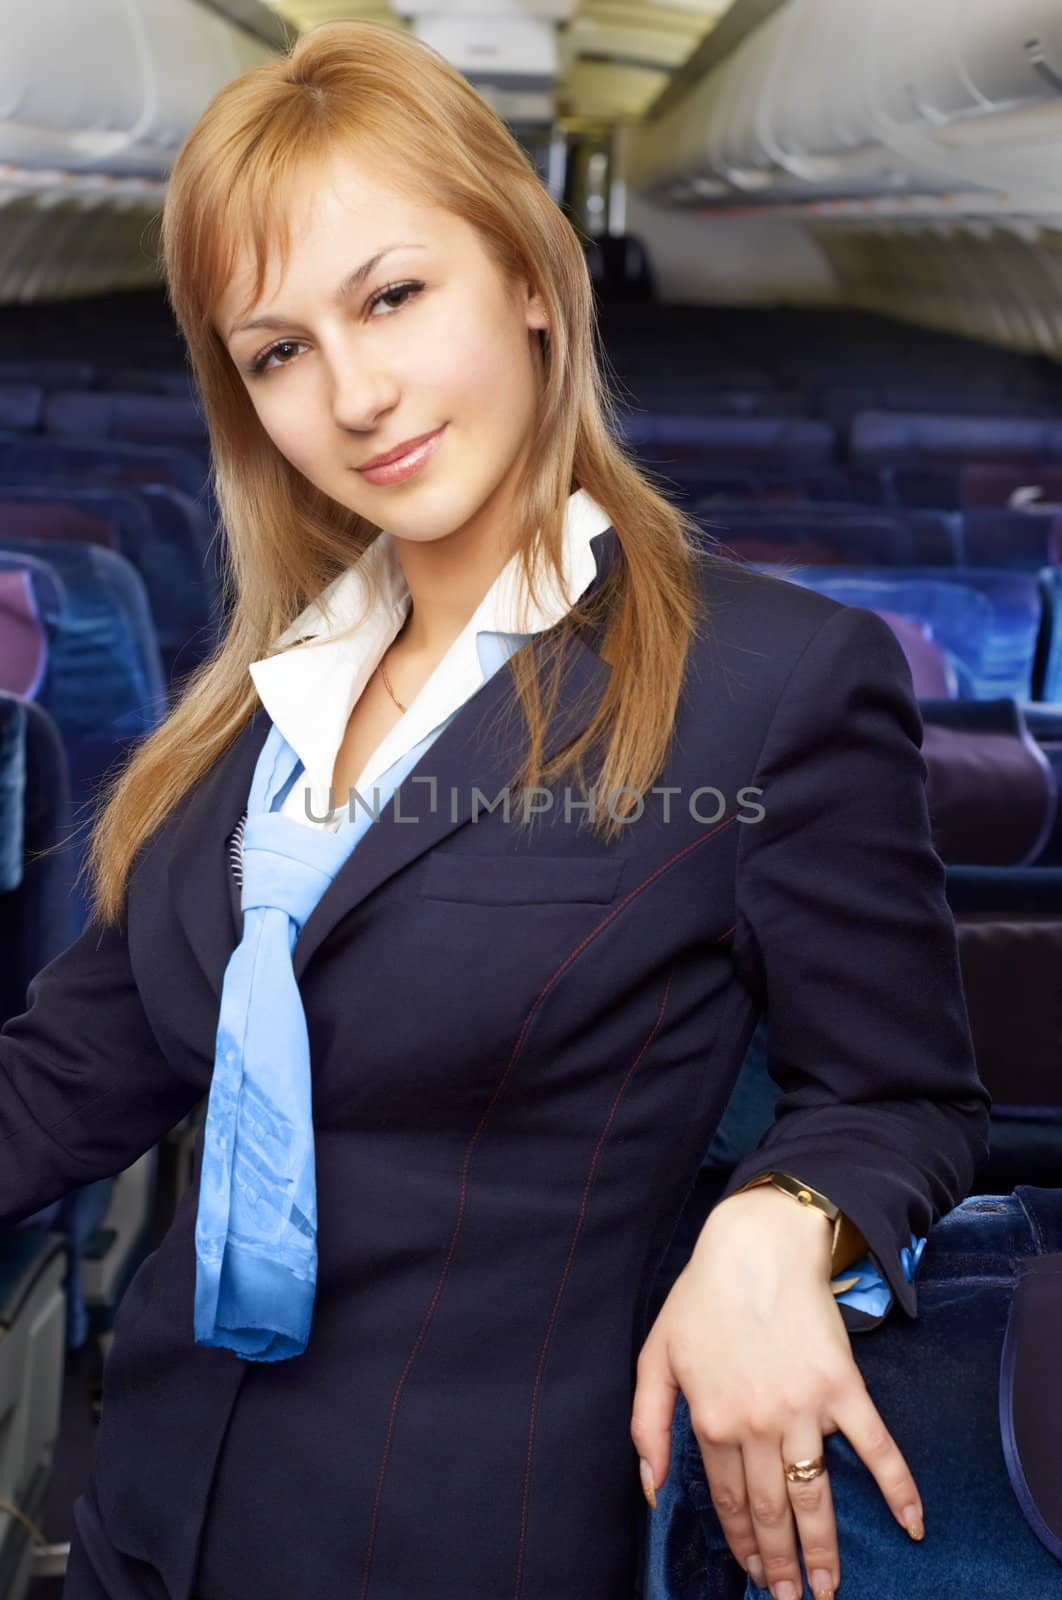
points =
(523, 1023)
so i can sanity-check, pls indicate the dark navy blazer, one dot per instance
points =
(521, 1050)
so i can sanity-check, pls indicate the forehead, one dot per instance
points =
(324, 221)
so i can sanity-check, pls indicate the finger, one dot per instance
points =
(772, 1515)
(856, 1415)
(813, 1513)
(652, 1413)
(724, 1468)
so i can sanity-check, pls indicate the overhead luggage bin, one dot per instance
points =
(888, 98)
(54, 114)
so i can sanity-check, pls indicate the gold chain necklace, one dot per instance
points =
(387, 686)
(383, 669)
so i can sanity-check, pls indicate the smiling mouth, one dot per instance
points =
(413, 456)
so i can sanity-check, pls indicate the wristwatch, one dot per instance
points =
(848, 1243)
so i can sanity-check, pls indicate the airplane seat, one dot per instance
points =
(177, 381)
(986, 620)
(118, 464)
(861, 535)
(1008, 920)
(46, 372)
(118, 1241)
(931, 672)
(909, 439)
(758, 548)
(78, 1217)
(1010, 945)
(993, 792)
(975, 1258)
(1047, 683)
(993, 537)
(41, 1308)
(1044, 722)
(989, 486)
(36, 921)
(104, 681)
(32, 1339)
(100, 463)
(39, 517)
(117, 414)
(933, 487)
(696, 396)
(36, 925)
(30, 599)
(21, 407)
(162, 531)
(795, 443)
(989, 397)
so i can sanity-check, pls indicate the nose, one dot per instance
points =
(362, 391)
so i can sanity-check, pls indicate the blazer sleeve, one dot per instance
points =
(844, 935)
(84, 1087)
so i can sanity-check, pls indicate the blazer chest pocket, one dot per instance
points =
(520, 880)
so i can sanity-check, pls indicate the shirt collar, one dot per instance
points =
(310, 693)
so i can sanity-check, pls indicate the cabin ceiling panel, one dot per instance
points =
(615, 56)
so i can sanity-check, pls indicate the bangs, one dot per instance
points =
(254, 215)
(255, 212)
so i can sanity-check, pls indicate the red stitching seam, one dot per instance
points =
(514, 1057)
(567, 1267)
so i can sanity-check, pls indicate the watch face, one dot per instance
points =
(805, 1194)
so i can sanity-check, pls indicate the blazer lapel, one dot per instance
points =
(466, 757)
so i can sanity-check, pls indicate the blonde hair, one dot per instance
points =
(364, 87)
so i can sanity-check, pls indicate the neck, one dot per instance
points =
(447, 578)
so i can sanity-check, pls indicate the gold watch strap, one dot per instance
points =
(848, 1243)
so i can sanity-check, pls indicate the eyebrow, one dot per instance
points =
(351, 282)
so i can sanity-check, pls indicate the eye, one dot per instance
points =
(259, 364)
(404, 292)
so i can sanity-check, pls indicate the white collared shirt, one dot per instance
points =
(309, 692)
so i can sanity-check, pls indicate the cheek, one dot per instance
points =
(292, 429)
(477, 366)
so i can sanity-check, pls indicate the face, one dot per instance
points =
(430, 337)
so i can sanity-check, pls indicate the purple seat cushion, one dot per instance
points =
(1010, 971)
(928, 664)
(992, 796)
(47, 519)
(23, 641)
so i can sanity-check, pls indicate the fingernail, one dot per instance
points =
(913, 1520)
(822, 1585)
(785, 1590)
(647, 1481)
(756, 1572)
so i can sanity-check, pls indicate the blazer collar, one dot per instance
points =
(463, 759)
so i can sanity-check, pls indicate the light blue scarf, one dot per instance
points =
(256, 1226)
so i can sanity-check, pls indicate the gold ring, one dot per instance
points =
(805, 1471)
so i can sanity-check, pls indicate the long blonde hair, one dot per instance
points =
(368, 88)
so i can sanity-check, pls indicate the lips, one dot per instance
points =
(398, 452)
(411, 459)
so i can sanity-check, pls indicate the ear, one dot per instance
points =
(535, 313)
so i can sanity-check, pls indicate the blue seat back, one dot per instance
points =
(987, 621)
